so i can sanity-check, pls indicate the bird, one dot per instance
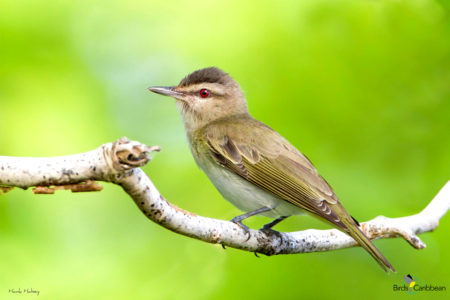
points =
(410, 282)
(250, 164)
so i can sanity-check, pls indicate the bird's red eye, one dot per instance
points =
(204, 93)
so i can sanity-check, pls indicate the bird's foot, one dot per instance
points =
(270, 232)
(244, 227)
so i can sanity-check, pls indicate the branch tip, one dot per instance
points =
(128, 154)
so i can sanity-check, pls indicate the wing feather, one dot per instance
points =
(273, 165)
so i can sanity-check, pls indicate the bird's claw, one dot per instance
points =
(269, 231)
(243, 226)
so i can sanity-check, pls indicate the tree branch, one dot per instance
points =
(119, 163)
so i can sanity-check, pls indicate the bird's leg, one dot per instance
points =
(238, 219)
(269, 226)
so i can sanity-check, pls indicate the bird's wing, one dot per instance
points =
(272, 164)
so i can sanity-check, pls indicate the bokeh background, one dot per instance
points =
(361, 87)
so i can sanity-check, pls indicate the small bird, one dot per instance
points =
(251, 165)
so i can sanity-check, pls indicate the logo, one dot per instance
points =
(412, 285)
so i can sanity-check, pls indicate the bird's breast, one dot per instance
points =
(238, 191)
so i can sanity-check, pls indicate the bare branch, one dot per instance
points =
(119, 163)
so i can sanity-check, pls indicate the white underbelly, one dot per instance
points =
(245, 195)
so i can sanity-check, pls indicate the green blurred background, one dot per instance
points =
(361, 87)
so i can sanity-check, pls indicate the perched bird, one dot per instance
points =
(251, 165)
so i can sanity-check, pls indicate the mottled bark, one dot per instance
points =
(119, 163)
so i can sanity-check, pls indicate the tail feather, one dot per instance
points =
(356, 233)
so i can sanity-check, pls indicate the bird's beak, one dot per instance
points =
(166, 91)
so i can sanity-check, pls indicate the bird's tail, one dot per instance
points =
(356, 233)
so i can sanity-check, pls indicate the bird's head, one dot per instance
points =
(204, 96)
